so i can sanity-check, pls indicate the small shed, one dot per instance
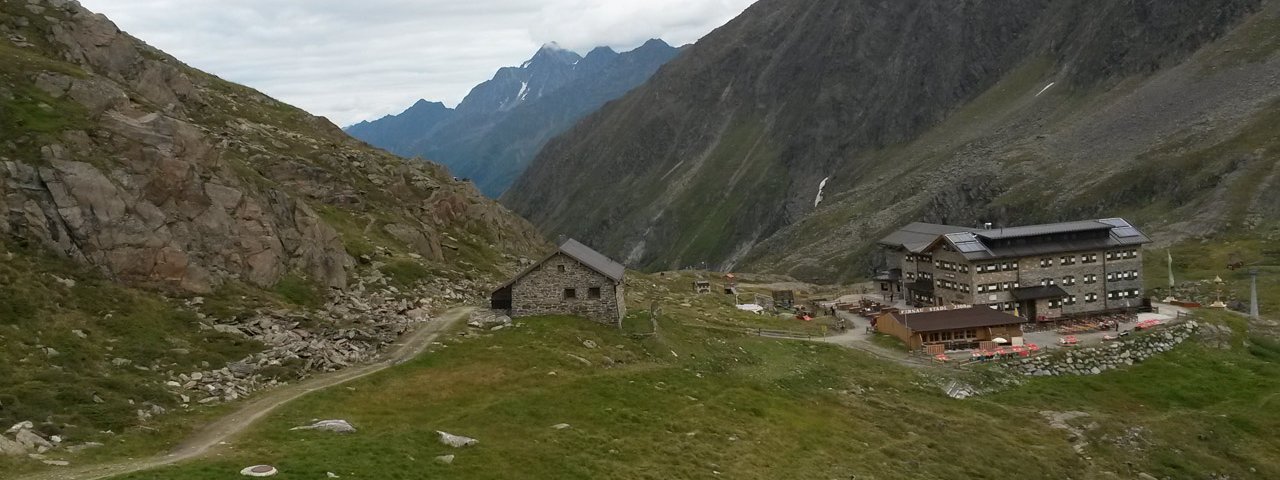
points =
(701, 286)
(575, 280)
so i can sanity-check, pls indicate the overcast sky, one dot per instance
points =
(353, 60)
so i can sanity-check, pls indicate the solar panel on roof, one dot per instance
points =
(970, 247)
(1125, 232)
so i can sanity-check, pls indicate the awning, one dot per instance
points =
(1039, 293)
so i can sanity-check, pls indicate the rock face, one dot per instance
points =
(801, 132)
(163, 176)
(495, 132)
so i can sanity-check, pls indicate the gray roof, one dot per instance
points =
(583, 254)
(992, 244)
(953, 319)
(1049, 228)
(593, 259)
(918, 235)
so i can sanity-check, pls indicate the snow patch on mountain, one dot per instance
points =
(821, 186)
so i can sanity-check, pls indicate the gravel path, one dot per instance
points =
(217, 433)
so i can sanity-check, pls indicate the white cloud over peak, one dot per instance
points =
(360, 60)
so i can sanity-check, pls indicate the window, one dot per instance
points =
(1111, 255)
(593, 293)
(1069, 260)
(1011, 265)
(1068, 280)
(560, 268)
(1090, 297)
(1089, 258)
(1071, 300)
(1091, 278)
(1055, 303)
(570, 293)
(1046, 262)
(1047, 282)
(1112, 295)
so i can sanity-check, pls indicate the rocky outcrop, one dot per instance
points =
(167, 177)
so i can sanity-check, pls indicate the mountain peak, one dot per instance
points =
(552, 52)
(655, 42)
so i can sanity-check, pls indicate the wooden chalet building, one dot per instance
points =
(575, 280)
(1036, 272)
(954, 326)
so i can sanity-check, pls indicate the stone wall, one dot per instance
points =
(542, 292)
(1095, 360)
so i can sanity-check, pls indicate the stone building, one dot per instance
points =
(575, 280)
(1038, 272)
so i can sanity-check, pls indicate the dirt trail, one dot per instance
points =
(210, 436)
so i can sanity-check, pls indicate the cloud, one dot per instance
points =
(359, 60)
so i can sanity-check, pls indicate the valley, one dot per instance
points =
(827, 239)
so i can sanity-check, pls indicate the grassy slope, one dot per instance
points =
(692, 401)
(39, 312)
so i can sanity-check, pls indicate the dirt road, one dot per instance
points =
(208, 438)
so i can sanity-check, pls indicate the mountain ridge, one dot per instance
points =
(502, 123)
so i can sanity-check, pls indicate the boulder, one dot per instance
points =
(11, 448)
(336, 426)
(20, 426)
(445, 459)
(456, 441)
(31, 441)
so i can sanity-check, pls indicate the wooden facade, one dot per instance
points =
(954, 327)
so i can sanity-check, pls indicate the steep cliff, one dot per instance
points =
(792, 137)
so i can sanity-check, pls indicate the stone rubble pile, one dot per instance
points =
(351, 329)
(1095, 360)
(489, 320)
(24, 439)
